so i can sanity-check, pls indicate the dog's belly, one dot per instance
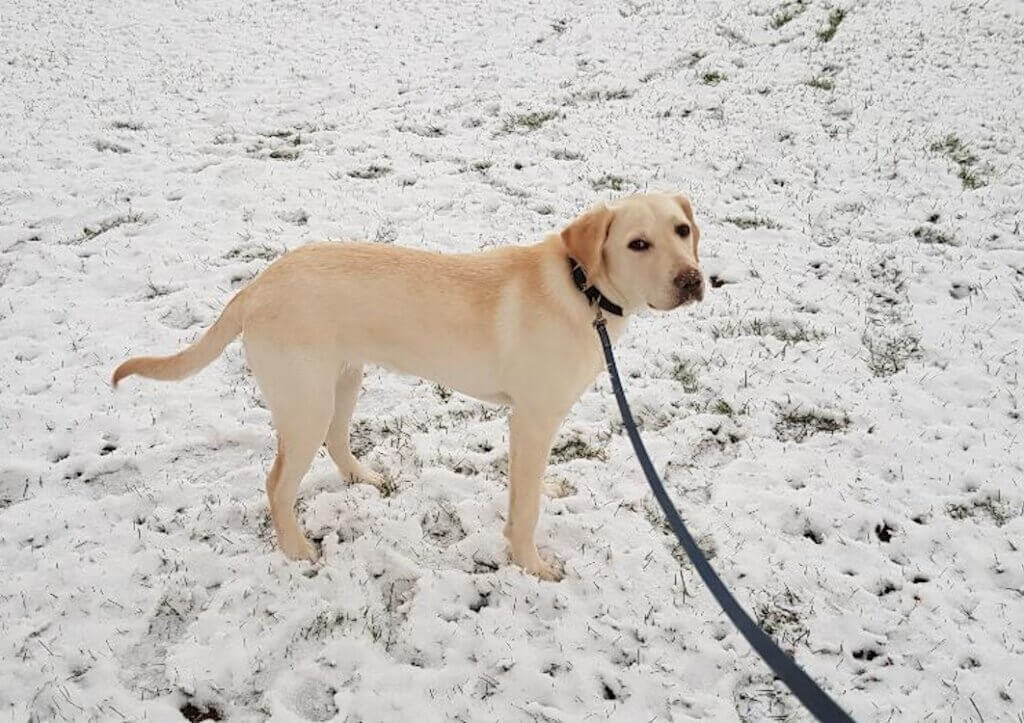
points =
(465, 371)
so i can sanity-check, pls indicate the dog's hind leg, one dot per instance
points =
(299, 389)
(345, 392)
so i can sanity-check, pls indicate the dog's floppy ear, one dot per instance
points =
(688, 210)
(584, 238)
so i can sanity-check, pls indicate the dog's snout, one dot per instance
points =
(690, 284)
(689, 280)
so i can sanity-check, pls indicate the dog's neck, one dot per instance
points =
(593, 294)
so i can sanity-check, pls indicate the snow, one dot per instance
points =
(839, 421)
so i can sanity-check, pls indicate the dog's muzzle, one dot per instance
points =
(690, 285)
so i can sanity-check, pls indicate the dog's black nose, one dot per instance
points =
(690, 282)
(691, 286)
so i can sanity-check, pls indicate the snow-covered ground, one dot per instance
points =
(839, 420)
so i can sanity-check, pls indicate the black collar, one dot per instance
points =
(579, 277)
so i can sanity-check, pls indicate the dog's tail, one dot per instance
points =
(193, 358)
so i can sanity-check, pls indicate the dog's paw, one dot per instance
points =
(300, 549)
(537, 567)
(557, 489)
(357, 472)
(546, 571)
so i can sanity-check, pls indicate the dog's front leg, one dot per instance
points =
(530, 436)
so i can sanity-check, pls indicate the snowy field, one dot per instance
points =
(839, 421)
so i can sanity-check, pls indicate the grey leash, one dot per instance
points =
(806, 690)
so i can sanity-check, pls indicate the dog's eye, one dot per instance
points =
(683, 230)
(638, 244)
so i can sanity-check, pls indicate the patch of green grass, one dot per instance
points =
(969, 169)
(782, 619)
(597, 94)
(656, 518)
(370, 172)
(683, 61)
(108, 224)
(693, 58)
(796, 425)
(425, 131)
(994, 507)
(295, 130)
(889, 351)
(786, 13)
(563, 154)
(299, 217)
(127, 125)
(611, 182)
(278, 133)
(706, 543)
(388, 487)
(110, 146)
(787, 331)
(970, 179)
(575, 447)
(154, 291)
(396, 432)
(441, 524)
(829, 31)
(684, 372)
(749, 221)
(955, 149)
(712, 77)
(760, 698)
(720, 406)
(933, 235)
(284, 154)
(316, 629)
(506, 188)
(528, 122)
(253, 252)
(617, 94)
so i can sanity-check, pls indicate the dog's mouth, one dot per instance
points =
(684, 299)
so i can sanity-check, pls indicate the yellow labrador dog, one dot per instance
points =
(509, 326)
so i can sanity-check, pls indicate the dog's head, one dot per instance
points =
(640, 251)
